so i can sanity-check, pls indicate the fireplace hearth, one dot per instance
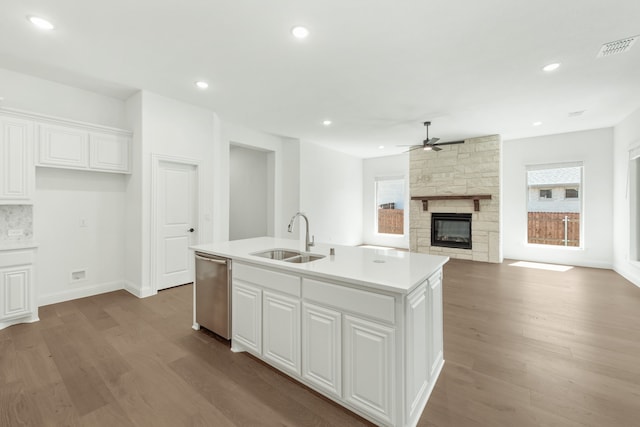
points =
(451, 230)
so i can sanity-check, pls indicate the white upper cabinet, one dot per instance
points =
(17, 174)
(79, 147)
(109, 152)
(63, 146)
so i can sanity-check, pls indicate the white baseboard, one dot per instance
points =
(627, 274)
(29, 319)
(80, 292)
(135, 290)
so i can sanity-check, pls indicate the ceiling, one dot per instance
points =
(376, 68)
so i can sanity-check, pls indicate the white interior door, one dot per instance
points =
(177, 223)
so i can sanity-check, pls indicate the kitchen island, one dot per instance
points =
(362, 326)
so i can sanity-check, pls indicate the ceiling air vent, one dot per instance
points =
(618, 46)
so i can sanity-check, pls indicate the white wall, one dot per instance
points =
(626, 136)
(249, 191)
(63, 199)
(331, 194)
(290, 182)
(168, 128)
(388, 166)
(37, 95)
(594, 148)
(283, 162)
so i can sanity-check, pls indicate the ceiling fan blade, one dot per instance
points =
(451, 143)
(415, 147)
(432, 141)
(436, 148)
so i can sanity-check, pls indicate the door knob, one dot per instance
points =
(191, 230)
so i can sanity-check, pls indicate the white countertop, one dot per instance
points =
(388, 270)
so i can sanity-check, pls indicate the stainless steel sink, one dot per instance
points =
(288, 255)
(304, 258)
(279, 254)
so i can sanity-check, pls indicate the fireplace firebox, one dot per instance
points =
(451, 230)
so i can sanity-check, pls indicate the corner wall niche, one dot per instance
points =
(459, 179)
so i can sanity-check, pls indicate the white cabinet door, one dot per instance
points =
(246, 323)
(368, 367)
(63, 146)
(15, 291)
(281, 331)
(17, 173)
(418, 347)
(322, 348)
(109, 152)
(436, 322)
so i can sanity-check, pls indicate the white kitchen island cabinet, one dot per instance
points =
(247, 317)
(363, 327)
(322, 348)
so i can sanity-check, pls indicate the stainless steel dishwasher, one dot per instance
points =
(212, 293)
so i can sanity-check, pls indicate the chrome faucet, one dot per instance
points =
(307, 243)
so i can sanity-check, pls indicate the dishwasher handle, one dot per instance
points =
(216, 260)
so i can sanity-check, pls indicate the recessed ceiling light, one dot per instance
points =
(576, 113)
(326, 122)
(41, 23)
(536, 123)
(202, 85)
(300, 32)
(381, 147)
(551, 67)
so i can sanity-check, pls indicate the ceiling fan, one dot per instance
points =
(430, 144)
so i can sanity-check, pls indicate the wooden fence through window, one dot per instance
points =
(548, 228)
(391, 221)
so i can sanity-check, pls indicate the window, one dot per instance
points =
(390, 205)
(545, 194)
(571, 193)
(554, 221)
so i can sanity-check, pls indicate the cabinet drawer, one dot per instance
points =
(269, 279)
(16, 257)
(370, 304)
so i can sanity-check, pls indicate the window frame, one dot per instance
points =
(376, 205)
(540, 197)
(580, 199)
(566, 190)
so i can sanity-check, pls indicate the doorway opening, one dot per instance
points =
(251, 192)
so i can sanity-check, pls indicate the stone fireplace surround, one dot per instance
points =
(458, 170)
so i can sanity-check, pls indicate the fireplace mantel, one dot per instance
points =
(476, 199)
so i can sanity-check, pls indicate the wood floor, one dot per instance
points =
(523, 347)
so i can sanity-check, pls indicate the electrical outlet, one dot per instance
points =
(15, 232)
(83, 222)
(78, 275)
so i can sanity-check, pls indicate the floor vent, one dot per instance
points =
(618, 46)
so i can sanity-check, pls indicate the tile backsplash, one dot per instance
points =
(13, 219)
